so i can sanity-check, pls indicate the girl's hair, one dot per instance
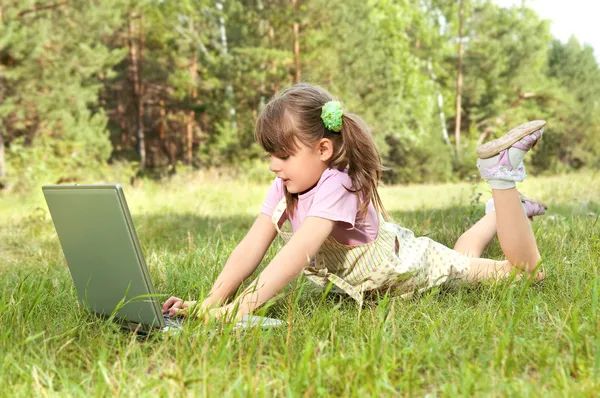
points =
(294, 115)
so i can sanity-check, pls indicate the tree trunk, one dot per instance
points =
(191, 119)
(262, 22)
(229, 87)
(140, 131)
(135, 67)
(2, 161)
(296, 27)
(459, 76)
(163, 120)
(122, 115)
(441, 106)
(189, 128)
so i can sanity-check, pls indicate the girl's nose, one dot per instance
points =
(275, 165)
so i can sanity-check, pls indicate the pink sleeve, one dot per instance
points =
(334, 202)
(273, 197)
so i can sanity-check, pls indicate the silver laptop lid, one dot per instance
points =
(103, 252)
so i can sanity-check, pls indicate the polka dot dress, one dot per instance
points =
(395, 260)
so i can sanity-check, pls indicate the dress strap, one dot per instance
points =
(278, 213)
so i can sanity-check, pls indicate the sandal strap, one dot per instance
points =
(533, 209)
(529, 141)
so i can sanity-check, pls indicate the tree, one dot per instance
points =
(157, 80)
(52, 69)
(135, 44)
(459, 74)
(576, 71)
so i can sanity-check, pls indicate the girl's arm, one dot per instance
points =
(286, 265)
(243, 260)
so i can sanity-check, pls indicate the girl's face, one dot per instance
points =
(302, 170)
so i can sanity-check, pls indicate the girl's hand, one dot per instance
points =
(209, 303)
(223, 314)
(175, 306)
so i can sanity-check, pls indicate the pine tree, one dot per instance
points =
(53, 62)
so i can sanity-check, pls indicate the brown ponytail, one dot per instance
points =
(362, 158)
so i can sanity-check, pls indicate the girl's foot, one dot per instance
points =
(532, 207)
(501, 160)
(540, 275)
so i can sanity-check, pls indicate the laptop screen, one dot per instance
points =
(102, 251)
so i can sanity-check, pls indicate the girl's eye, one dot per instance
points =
(278, 156)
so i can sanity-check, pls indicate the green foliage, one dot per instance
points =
(576, 70)
(52, 70)
(85, 147)
(417, 161)
(193, 75)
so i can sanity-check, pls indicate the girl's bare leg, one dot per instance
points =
(514, 230)
(519, 239)
(483, 268)
(501, 163)
(474, 241)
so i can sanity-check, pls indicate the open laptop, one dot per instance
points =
(105, 258)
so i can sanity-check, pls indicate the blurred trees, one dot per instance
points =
(158, 84)
(54, 61)
(574, 70)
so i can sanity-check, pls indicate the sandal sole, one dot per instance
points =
(492, 148)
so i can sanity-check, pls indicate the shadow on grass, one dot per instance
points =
(443, 225)
(176, 228)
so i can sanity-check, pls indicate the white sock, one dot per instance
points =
(515, 158)
(501, 184)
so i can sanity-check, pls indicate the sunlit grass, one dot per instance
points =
(489, 339)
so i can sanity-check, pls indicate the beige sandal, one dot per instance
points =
(492, 148)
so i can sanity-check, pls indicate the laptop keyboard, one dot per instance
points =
(175, 321)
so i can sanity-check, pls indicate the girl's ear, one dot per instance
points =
(325, 148)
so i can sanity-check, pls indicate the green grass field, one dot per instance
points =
(493, 339)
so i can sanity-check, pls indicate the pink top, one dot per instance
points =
(330, 200)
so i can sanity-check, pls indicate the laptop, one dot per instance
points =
(105, 258)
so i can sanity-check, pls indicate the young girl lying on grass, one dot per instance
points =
(327, 170)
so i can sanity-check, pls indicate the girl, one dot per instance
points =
(327, 169)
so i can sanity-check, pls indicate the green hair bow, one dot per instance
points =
(332, 116)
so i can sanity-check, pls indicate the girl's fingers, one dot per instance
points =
(181, 308)
(176, 306)
(174, 309)
(170, 303)
(223, 314)
(188, 304)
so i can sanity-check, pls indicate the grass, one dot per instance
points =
(490, 339)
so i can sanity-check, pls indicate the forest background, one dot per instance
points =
(127, 89)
